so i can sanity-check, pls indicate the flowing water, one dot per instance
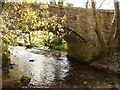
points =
(53, 70)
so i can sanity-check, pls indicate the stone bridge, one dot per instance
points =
(79, 26)
(81, 37)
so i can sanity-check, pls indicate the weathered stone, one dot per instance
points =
(81, 21)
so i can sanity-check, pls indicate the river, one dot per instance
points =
(52, 69)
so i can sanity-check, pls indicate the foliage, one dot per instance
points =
(8, 38)
(30, 17)
(4, 41)
(61, 47)
(48, 39)
(5, 55)
(69, 4)
(60, 2)
(25, 79)
(41, 38)
(53, 2)
(27, 18)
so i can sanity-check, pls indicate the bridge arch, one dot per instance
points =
(71, 36)
(78, 47)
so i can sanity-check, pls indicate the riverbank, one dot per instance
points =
(105, 68)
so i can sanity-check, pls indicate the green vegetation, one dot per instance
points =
(30, 24)
(54, 2)
(5, 56)
(44, 39)
(25, 20)
(25, 79)
(69, 4)
(61, 47)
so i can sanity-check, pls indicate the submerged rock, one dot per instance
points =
(25, 79)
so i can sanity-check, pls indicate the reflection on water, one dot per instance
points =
(43, 70)
(47, 71)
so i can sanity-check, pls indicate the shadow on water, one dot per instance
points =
(49, 71)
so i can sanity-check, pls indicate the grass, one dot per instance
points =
(61, 47)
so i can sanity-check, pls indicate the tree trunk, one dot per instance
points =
(29, 36)
(98, 29)
(117, 8)
(87, 4)
(113, 30)
(108, 48)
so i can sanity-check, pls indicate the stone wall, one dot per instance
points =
(81, 21)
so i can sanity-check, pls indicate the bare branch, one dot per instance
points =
(87, 3)
(101, 4)
(98, 28)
